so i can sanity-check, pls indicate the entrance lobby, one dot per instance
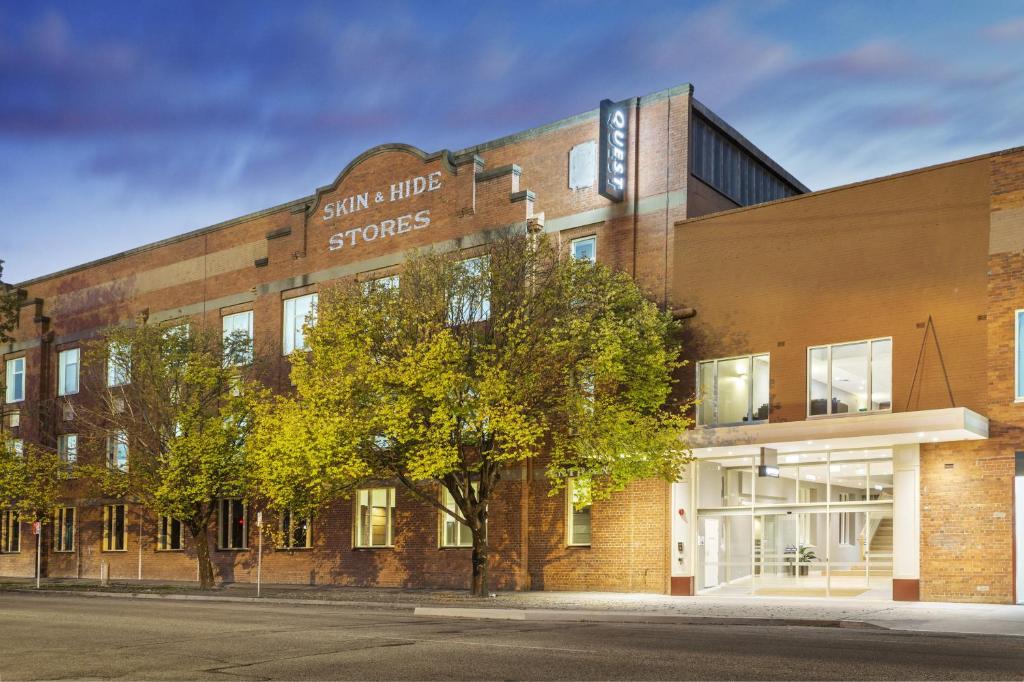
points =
(822, 528)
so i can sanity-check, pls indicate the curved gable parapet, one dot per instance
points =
(449, 162)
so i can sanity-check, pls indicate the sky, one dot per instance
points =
(122, 123)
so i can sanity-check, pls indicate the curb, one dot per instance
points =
(577, 616)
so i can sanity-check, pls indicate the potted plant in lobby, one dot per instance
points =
(805, 556)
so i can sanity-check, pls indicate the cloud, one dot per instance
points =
(1009, 30)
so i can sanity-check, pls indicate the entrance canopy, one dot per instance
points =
(842, 432)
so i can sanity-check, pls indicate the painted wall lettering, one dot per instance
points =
(380, 230)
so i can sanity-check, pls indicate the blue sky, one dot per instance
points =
(124, 122)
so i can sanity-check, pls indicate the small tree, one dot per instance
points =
(167, 410)
(467, 369)
(10, 302)
(31, 480)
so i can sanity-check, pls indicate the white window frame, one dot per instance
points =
(114, 443)
(166, 536)
(64, 363)
(828, 400)
(15, 367)
(582, 240)
(67, 447)
(63, 516)
(221, 535)
(715, 423)
(116, 375)
(285, 526)
(570, 516)
(112, 543)
(472, 311)
(448, 501)
(10, 531)
(236, 322)
(1018, 391)
(293, 336)
(367, 493)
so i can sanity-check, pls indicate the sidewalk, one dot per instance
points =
(585, 606)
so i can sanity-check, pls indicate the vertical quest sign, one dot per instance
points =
(613, 149)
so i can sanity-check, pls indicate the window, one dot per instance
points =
(295, 531)
(16, 446)
(472, 301)
(115, 530)
(298, 312)
(375, 517)
(10, 531)
(64, 529)
(231, 531)
(1018, 358)
(67, 447)
(170, 535)
(67, 371)
(382, 284)
(584, 248)
(733, 391)
(578, 493)
(453, 533)
(846, 523)
(119, 363)
(117, 451)
(15, 380)
(238, 337)
(849, 378)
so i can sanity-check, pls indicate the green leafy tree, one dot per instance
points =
(31, 480)
(10, 302)
(468, 369)
(167, 411)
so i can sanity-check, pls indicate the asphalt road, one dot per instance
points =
(51, 637)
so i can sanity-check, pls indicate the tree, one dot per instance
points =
(31, 479)
(168, 411)
(470, 368)
(10, 302)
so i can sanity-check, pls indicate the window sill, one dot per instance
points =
(292, 549)
(182, 549)
(360, 548)
(64, 551)
(1019, 400)
(578, 545)
(113, 551)
(232, 549)
(3, 553)
(733, 424)
(444, 547)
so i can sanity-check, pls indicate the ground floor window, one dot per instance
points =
(295, 531)
(64, 529)
(375, 509)
(10, 531)
(170, 534)
(578, 512)
(453, 533)
(115, 530)
(231, 531)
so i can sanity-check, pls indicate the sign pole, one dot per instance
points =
(39, 551)
(259, 552)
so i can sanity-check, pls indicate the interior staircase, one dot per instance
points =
(880, 549)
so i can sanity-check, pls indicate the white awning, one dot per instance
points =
(842, 432)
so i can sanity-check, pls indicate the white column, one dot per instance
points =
(683, 524)
(906, 512)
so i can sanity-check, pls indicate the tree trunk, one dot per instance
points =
(479, 585)
(201, 539)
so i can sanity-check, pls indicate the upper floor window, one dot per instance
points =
(1018, 355)
(375, 511)
(67, 447)
(472, 303)
(15, 380)
(732, 390)
(849, 378)
(67, 371)
(117, 450)
(298, 312)
(238, 337)
(16, 446)
(584, 248)
(119, 363)
(386, 283)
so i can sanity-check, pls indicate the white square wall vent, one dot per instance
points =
(583, 165)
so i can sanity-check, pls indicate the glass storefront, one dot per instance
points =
(822, 528)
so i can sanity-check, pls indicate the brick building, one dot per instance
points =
(866, 334)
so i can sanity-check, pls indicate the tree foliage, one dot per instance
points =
(10, 302)
(31, 480)
(468, 369)
(178, 403)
